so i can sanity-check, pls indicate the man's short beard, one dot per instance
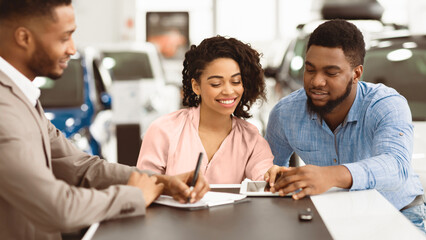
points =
(41, 64)
(330, 105)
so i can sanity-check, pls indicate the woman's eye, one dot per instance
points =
(214, 84)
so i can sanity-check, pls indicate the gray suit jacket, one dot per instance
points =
(47, 185)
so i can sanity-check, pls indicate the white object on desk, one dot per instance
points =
(257, 188)
(91, 232)
(363, 215)
(210, 199)
(213, 186)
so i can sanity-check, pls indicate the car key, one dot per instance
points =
(305, 214)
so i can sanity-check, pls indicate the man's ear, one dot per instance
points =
(195, 86)
(23, 37)
(357, 73)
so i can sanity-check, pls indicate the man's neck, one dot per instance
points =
(338, 115)
(17, 62)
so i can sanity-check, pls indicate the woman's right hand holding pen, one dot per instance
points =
(178, 186)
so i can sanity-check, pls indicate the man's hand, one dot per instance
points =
(150, 189)
(272, 175)
(178, 186)
(309, 179)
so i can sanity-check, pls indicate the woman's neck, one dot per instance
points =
(214, 121)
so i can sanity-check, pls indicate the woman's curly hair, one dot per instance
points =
(198, 57)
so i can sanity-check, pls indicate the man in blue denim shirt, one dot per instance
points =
(351, 134)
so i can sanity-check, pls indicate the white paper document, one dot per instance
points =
(210, 199)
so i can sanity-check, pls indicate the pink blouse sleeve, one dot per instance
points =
(154, 150)
(260, 160)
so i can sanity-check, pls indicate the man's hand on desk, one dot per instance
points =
(178, 186)
(150, 189)
(307, 180)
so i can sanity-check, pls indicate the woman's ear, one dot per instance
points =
(195, 86)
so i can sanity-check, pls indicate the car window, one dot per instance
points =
(67, 91)
(128, 65)
(403, 70)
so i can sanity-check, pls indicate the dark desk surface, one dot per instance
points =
(259, 218)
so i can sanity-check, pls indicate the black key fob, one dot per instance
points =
(305, 214)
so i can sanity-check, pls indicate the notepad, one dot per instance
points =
(210, 199)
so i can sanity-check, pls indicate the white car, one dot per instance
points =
(139, 91)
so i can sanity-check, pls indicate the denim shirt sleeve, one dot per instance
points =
(389, 125)
(275, 135)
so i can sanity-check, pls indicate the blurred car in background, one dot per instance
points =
(73, 102)
(289, 74)
(365, 14)
(139, 88)
(399, 61)
(139, 91)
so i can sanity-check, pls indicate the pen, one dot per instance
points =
(195, 177)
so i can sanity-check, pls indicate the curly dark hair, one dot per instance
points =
(342, 34)
(198, 57)
(16, 9)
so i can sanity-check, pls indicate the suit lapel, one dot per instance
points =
(37, 114)
(45, 133)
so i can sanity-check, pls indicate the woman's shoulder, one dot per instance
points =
(172, 120)
(246, 127)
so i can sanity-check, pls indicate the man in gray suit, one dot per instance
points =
(46, 184)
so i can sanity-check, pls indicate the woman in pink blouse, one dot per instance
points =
(222, 78)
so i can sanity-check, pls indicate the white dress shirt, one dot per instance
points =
(26, 85)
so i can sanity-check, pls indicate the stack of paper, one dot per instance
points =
(210, 199)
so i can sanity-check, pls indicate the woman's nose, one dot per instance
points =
(228, 89)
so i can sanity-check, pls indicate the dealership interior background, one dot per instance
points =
(112, 25)
(108, 27)
(130, 56)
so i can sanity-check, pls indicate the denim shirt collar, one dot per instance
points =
(354, 112)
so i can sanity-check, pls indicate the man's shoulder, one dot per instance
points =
(290, 105)
(374, 92)
(296, 99)
(289, 108)
(378, 100)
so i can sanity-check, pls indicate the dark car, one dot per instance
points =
(365, 14)
(73, 101)
(289, 74)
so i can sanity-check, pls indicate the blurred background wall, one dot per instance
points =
(263, 23)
